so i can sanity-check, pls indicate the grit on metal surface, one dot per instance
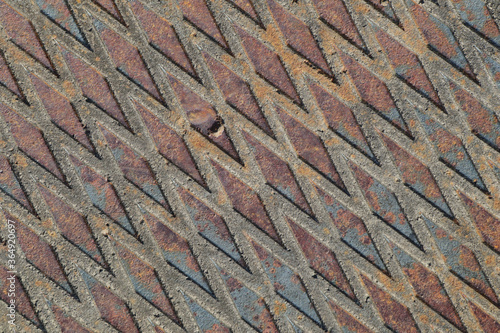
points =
(250, 165)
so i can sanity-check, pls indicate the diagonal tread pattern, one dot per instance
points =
(90, 131)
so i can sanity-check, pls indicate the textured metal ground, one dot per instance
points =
(268, 165)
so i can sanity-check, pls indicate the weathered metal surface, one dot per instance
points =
(162, 36)
(41, 255)
(30, 140)
(335, 14)
(176, 251)
(198, 13)
(113, 310)
(25, 308)
(67, 324)
(127, 59)
(206, 322)
(347, 322)
(134, 167)
(237, 93)
(374, 92)
(267, 64)
(352, 230)
(395, 315)
(250, 165)
(488, 324)
(72, 225)
(10, 185)
(407, 66)
(286, 283)
(94, 86)
(487, 224)
(110, 7)
(451, 150)
(483, 121)
(20, 31)
(211, 226)
(298, 37)
(277, 174)
(246, 201)
(145, 281)
(7, 79)
(417, 176)
(251, 307)
(203, 117)
(321, 259)
(385, 8)
(477, 16)
(61, 112)
(170, 144)
(58, 11)
(461, 261)
(440, 38)
(384, 204)
(341, 120)
(427, 286)
(310, 148)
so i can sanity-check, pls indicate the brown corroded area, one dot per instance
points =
(113, 309)
(335, 14)
(41, 255)
(11, 185)
(170, 144)
(246, 201)
(440, 38)
(102, 194)
(25, 308)
(268, 65)
(374, 92)
(310, 147)
(488, 324)
(7, 79)
(483, 121)
(68, 324)
(416, 175)
(162, 36)
(390, 214)
(395, 315)
(341, 120)
(127, 59)
(211, 226)
(348, 322)
(21, 31)
(277, 174)
(237, 93)
(203, 117)
(61, 112)
(247, 7)
(321, 259)
(428, 287)
(407, 66)
(298, 36)
(198, 13)
(30, 140)
(487, 224)
(146, 282)
(72, 225)
(245, 166)
(94, 87)
(110, 7)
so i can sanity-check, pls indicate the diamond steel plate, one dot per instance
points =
(249, 165)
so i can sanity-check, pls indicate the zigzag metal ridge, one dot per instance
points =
(250, 165)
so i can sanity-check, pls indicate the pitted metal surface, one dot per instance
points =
(249, 165)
